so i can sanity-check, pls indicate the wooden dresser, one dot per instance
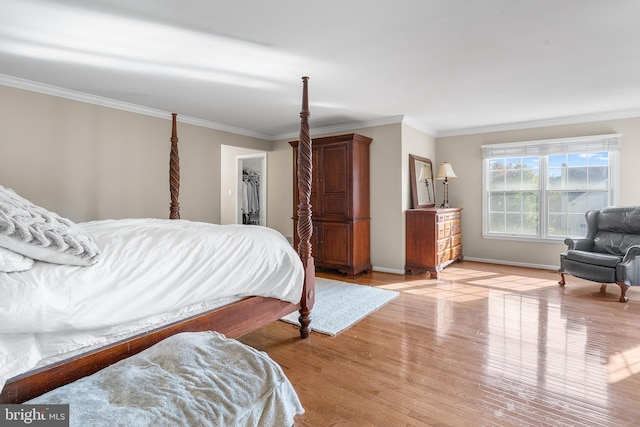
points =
(339, 202)
(433, 240)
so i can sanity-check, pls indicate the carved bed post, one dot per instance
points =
(305, 227)
(174, 172)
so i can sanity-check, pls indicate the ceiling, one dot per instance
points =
(444, 66)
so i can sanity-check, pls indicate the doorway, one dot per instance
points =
(251, 185)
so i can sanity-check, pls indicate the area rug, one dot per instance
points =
(339, 305)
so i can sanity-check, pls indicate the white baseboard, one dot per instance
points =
(515, 264)
(487, 261)
(387, 270)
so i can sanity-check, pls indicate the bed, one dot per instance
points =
(75, 332)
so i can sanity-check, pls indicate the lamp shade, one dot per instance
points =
(445, 171)
(425, 174)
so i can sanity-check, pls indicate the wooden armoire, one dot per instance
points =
(339, 203)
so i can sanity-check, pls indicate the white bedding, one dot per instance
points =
(149, 267)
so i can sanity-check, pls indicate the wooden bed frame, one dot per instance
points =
(233, 320)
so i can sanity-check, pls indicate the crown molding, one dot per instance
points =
(224, 128)
(422, 127)
(120, 105)
(345, 127)
(568, 120)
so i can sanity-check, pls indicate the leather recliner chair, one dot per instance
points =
(610, 252)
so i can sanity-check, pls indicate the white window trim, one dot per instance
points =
(586, 144)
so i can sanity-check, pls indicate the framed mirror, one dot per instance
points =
(423, 192)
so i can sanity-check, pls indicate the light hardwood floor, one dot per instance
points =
(485, 345)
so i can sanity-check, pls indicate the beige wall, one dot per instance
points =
(466, 191)
(280, 188)
(387, 197)
(89, 162)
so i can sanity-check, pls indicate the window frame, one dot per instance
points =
(543, 149)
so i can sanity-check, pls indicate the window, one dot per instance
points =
(542, 189)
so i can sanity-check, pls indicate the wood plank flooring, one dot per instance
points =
(484, 345)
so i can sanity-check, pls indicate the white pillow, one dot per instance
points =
(11, 262)
(35, 232)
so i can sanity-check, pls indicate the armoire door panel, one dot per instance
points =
(336, 243)
(335, 181)
(316, 182)
(334, 205)
(335, 169)
(316, 243)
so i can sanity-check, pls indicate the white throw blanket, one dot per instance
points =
(35, 232)
(189, 379)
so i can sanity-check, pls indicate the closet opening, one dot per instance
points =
(251, 182)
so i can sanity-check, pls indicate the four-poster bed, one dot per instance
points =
(233, 319)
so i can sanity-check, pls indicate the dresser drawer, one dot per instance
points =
(456, 227)
(444, 256)
(441, 217)
(456, 240)
(456, 251)
(444, 244)
(444, 230)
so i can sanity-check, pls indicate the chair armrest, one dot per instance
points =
(579, 244)
(631, 254)
(628, 270)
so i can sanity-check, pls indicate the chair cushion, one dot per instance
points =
(610, 242)
(620, 219)
(594, 258)
(595, 273)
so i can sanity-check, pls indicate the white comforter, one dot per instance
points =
(149, 267)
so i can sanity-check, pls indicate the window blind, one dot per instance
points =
(585, 144)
